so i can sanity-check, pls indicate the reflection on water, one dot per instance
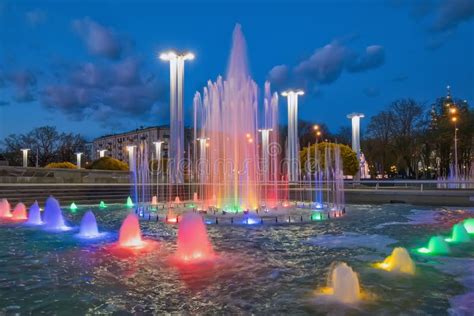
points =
(260, 268)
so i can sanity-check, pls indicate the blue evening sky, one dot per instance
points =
(90, 66)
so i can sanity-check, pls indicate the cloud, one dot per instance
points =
(371, 92)
(450, 13)
(35, 17)
(373, 57)
(279, 74)
(99, 40)
(105, 91)
(326, 65)
(23, 82)
(4, 103)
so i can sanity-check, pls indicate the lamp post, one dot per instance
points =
(25, 157)
(454, 119)
(176, 144)
(355, 119)
(101, 152)
(78, 160)
(293, 146)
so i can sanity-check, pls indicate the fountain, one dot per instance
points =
(171, 216)
(343, 285)
(102, 204)
(459, 234)
(129, 202)
(5, 209)
(73, 207)
(19, 212)
(436, 246)
(177, 200)
(130, 235)
(53, 217)
(154, 200)
(89, 226)
(226, 114)
(399, 261)
(468, 224)
(193, 242)
(34, 215)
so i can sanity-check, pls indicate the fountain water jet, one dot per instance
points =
(193, 242)
(469, 225)
(89, 227)
(5, 209)
(130, 235)
(399, 261)
(53, 216)
(19, 212)
(34, 215)
(102, 204)
(343, 285)
(436, 246)
(459, 234)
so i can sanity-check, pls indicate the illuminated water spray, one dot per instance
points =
(132, 164)
(293, 144)
(226, 113)
(176, 144)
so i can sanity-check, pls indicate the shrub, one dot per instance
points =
(61, 165)
(349, 158)
(108, 163)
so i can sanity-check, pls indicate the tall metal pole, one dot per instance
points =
(293, 145)
(355, 119)
(176, 144)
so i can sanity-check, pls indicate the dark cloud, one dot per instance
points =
(23, 83)
(105, 91)
(450, 13)
(35, 17)
(99, 40)
(373, 57)
(326, 65)
(372, 92)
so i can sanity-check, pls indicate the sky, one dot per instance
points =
(91, 67)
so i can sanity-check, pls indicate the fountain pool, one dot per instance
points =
(267, 268)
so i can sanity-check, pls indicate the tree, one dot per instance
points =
(349, 158)
(46, 145)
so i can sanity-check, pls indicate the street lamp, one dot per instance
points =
(293, 157)
(78, 160)
(25, 157)
(101, 152)
(176, 143)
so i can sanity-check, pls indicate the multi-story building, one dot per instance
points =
(115, 145)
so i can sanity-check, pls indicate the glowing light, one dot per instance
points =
(73, 207)
(454, 119)
(437, 246)
(459, 234)
(130, 235)
(316, 216)
(193, 243)
(343, 285)
(129, 202)
(5, 209)
(469, 225)
(423, 250)
(399, 261)
(19, 212)
(102, 204)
